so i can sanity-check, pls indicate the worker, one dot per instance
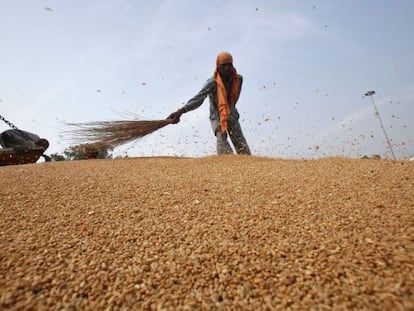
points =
(223, 90)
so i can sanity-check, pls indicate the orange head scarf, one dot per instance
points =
(223, 105)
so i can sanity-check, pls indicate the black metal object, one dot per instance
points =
(15, 156)
(18, 153)
(14, 127)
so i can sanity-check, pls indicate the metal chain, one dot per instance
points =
(9, 123)
(14, 127)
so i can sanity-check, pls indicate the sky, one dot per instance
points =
(306, 66)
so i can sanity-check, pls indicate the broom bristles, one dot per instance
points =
(111, 134)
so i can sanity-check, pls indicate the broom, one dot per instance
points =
(111, 134)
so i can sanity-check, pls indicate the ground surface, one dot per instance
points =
(228, 233)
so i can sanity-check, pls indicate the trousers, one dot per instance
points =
(236, 136)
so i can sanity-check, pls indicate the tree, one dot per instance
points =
(82, 152)
(57, 157)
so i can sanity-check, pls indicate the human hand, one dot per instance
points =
(175, 116)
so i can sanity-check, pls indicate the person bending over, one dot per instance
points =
(223, 90)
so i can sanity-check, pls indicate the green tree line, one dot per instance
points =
(81, 152)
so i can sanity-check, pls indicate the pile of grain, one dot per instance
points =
(228, 232)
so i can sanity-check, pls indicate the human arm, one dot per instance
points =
(175, 116)
(194, 102)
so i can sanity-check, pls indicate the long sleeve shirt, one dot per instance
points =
(210, 89)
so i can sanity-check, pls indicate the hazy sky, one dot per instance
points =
(306, 66)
